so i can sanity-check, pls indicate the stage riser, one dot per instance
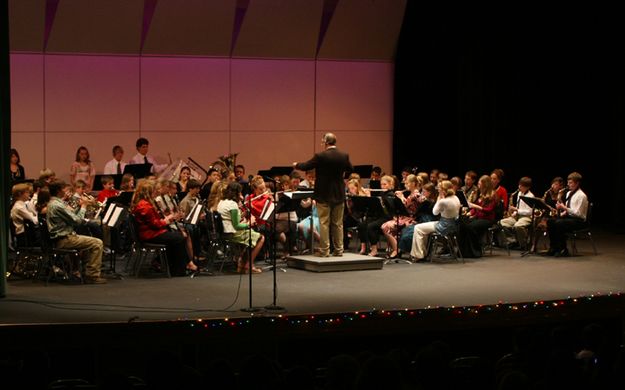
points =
(348, 262)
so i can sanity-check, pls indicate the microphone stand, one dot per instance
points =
(272, 232)
(250, 308)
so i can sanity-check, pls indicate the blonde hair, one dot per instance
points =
(356, 183)
(389, 179)
(19, 189)
(487, 192)
(446, 187)
(216, 194)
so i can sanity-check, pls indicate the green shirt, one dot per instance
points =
(61, 219)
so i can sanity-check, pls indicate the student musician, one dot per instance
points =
(502, 194)
(142, 156)
(183, 180)
(153, 228)
(237, 231)
(572, 214)
(519, 212)
(555, 192)
(17, 170)
(448, 207)
(481, 217)
(116, 165)
(23, 211)
(191, 199)
(166, 205)
(370, 230)
(82, 169)
(469, 188)
(392, 228)
(108, 189)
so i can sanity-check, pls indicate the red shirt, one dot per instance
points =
(488, 210)
(257, 207)
(149, 221)
(503, 195)
(104, 194)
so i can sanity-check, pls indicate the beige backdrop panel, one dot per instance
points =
(264, 149)
(26, 92)
(30, 148)
(185, 93)
(91, 93)
(354, 95)
(61, 148)
(272, 95)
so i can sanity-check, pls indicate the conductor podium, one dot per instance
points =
(347, 262)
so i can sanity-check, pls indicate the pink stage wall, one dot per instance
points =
(272, 112)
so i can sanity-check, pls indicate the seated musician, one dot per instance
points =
(186, 206)
(153, 227)
(166, 203)
(62, 221)
(555, 192)
(423, 213)
(370, 230)
(235, 230)
(469, 188)
(128, 182)
(448, 207)
(351, 217)
(183, 180)
(520, 213)
(108, 189)
(573, 210)
(481, 217)
(23, 211)
(497, 176)
(392, 228)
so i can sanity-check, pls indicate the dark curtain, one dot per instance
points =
(510, 88)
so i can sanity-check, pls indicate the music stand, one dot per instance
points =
(534, 203)
(400, 209)
(124, 198)
(139, 171)
(299, 195)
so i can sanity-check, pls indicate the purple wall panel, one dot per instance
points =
(184, 94)
(91, 93)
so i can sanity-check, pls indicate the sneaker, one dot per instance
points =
(95, 280)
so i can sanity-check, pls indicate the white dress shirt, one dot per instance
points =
(140, 159)
(111, 167)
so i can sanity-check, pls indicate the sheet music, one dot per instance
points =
(194, 214)
(290, 194)
(109, 211)
(113, 221)
(267, 210)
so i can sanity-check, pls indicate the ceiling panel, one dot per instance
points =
(26, 24)
(280, 29)
(362, 29)
(92, 26)
(191, 27)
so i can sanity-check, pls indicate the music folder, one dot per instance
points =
(368, 204)
(463, 198)
(139, 171)
(268, 208)
(298, 194)
(194, 214)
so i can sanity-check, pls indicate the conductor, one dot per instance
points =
(331, 166)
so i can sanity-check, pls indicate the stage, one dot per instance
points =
(485, 281)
